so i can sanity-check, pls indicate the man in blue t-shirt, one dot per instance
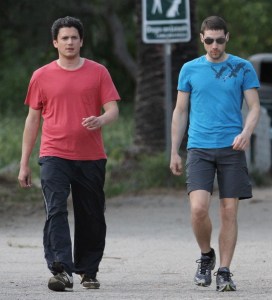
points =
(211, 90)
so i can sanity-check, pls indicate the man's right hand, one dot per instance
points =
(24, 177)
(176, 164)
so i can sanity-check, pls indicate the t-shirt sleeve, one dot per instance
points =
(108, 91)
(250, 77)
(34, 97)
(183, 80)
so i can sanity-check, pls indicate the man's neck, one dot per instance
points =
(70, 64)
(220, 59)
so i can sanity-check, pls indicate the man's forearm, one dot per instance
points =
(179, 125)
(29, 138)
(252, 120)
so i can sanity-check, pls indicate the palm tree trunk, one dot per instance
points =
(149, 100)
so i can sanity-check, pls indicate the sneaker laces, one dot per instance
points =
(86, 278)
(225, 274)
(203, 265)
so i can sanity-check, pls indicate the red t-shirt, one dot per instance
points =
(65, 97)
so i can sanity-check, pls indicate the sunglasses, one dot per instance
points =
(219, 41)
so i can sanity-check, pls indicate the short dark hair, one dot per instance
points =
(67, 22)
(214, 23)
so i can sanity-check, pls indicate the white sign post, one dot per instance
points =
(166, 22)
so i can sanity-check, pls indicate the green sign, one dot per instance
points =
(166, 21)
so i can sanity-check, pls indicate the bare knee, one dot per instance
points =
(199, 213)
(228, 210)
(200, 203)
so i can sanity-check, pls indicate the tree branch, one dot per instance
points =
(119, 41)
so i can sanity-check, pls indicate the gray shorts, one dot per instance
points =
(229, 165)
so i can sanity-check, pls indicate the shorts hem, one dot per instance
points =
(239, 197)
(198, 189)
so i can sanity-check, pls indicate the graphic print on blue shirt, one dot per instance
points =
(216, 98)
(234, 70)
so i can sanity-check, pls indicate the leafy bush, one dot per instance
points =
(14, 82)
(123, 174)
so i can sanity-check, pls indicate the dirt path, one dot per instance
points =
(150, 251)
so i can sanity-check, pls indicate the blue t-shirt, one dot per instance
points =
(216, 98)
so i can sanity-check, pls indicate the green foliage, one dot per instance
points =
(11, 131)
(132, 173)
(118, 135)
(249, 23)
(26, 40)
(26, 45)
(123, 174)
(126, 173)
(10, 138)
(14, 81)
(154, 172)
(142, 173)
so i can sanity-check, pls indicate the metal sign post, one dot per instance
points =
(166, 22)
(168, 97)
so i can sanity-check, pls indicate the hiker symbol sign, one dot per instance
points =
(166, 21)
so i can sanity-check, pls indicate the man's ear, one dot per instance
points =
(201, 37)
(55, 43)
(227, 36)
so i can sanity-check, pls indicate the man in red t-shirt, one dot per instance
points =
(75, 97)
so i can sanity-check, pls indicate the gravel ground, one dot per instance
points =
(150, 251)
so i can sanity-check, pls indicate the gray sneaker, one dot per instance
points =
(224, 282)
(89, 283)
(61, 282)
(203, 275)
